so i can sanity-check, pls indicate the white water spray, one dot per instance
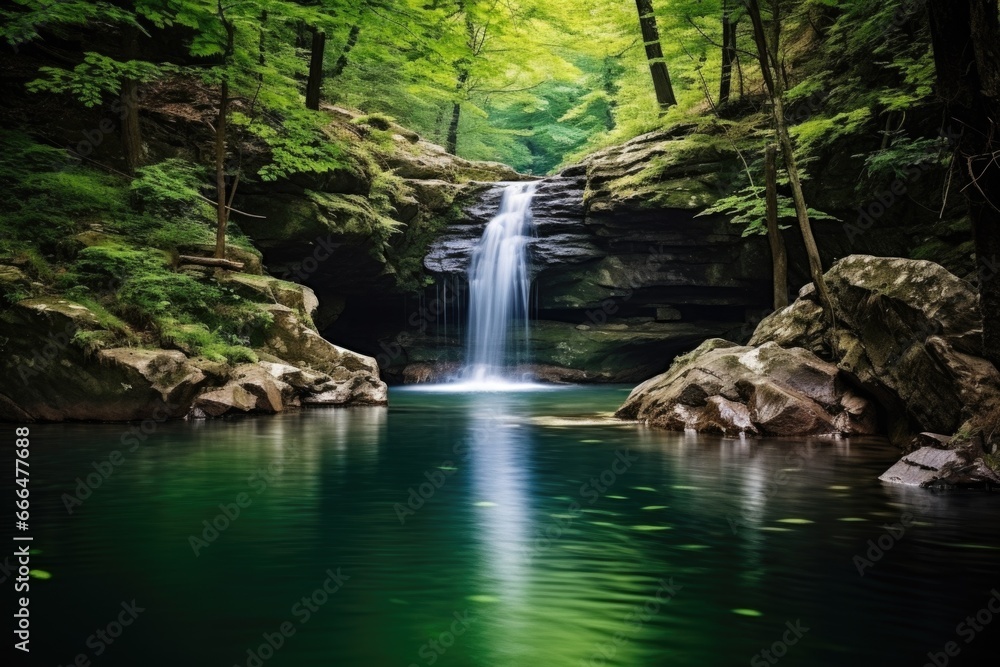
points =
(499, 291)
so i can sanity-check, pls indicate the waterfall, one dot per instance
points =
(500, 290)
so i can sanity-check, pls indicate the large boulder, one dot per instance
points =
(356, 375)
(908, 333)
(727, 388)
(933, 467)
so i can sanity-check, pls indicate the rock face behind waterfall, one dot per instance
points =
(625, 274)
(908, 342)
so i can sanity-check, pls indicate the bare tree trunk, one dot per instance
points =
(966, 40)
(654, 53)
(352, 40)
(222, 212)
(262, 45)
(779, 258)
(131, 131)
(456, 114)
(315, 83)
(775, 87)
(728, 56)
(222, 209)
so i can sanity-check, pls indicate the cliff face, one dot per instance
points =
(625, 275)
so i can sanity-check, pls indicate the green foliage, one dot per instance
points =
(749, 207)
(48, 196)
(170, 188)
(96, 77)
(297, 146)
(903, 153)
(821, 131)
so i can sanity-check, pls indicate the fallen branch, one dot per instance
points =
(212, 261)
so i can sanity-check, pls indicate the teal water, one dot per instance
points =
(685, 550)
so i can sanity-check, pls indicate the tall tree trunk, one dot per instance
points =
(456, 114)
(352, 40)
(775, 87)
(315, 83)
(262, 45)
(222, 208)
(131, 132)
(222, 212)
(779, 258)
(966, 39)
(452, 140)
(728, 56)
(654, 53)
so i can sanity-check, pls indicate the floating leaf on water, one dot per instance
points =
(605, 524)
(618, 497)
(977, 546)
(797, 522)
(650, 527)
(484, 599)
(40, 574)
(485, 503)
(681, 487)
(655, 507)
(644, 488)
(776, 529)
(851, 518)
(747, 612)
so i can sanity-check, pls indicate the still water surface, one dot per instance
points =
(556, 538)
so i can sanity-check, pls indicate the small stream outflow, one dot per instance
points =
(500, 290)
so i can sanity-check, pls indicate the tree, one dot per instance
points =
(728, 54)
(654, 54)
(99, 76)
(314, 84)
(779, 257)
(772, 71)
(966, 35)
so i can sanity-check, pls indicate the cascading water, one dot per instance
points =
(499, 291)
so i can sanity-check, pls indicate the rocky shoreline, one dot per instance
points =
(904, 360)
(53, 375)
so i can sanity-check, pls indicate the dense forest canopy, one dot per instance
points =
(531, 83)
(526, 82)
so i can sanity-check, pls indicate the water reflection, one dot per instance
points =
(486, 540)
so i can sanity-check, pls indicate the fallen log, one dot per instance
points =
(212, 261)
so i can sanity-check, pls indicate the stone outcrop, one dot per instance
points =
(935, 467)
(626, 273)
(907, 340)
(51, 374)
(726, 388)
(908, 333)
